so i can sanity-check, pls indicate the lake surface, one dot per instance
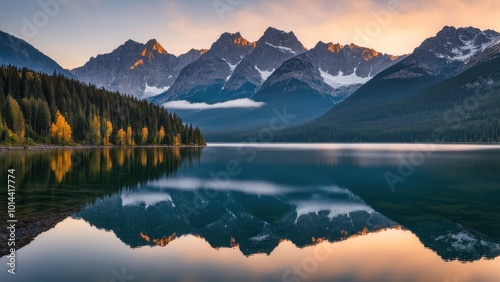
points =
(280, 212)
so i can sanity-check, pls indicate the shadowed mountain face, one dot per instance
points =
(203, 79)
(17, 52)
(271, 50)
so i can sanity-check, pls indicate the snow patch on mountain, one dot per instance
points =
(232, 67)
(464, 53)
(264, 74)
(343, 80)
(151, 91)
(468, 50)
(282, 48)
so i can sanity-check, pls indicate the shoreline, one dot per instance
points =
(29, 228)
(46, 147)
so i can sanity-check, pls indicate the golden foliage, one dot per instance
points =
(177, 139)
(109, 131)
(161, 135)
(144, 135)
(130, 137)
(121, 138)
(95, 130)
(61, 130)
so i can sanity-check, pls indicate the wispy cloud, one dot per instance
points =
(238, 103)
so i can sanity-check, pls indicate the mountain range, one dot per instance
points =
(274, 72)
(336, 92)
(235, 68)
(445, 91)
(142, 70)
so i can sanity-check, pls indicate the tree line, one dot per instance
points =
(53, 109)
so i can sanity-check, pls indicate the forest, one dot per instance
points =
(37, 108)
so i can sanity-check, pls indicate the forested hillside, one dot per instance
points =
(465, 108)
(40, 108)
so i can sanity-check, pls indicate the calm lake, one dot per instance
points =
(281, 212)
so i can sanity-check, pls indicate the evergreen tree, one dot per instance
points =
(15, 119)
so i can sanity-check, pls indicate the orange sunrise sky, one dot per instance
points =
(72, 31)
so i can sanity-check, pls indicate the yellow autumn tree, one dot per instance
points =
(61, 130)
(177, 139)
(161, 135)
(121, 138)
(130, 137)
(95, 130)
(109, 131)
(144, 135)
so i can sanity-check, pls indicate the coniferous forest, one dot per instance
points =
(53, 109)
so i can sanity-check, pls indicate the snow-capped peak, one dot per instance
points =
(469, 49)
(460, 45)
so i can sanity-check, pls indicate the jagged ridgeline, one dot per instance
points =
(54, 109)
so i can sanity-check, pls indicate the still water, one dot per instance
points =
(336, 212)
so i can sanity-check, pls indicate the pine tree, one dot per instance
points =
(42, 118)
(15, 119)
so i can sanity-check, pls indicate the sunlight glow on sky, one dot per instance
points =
(72, 31)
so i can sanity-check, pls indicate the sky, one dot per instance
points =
(72, 31)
